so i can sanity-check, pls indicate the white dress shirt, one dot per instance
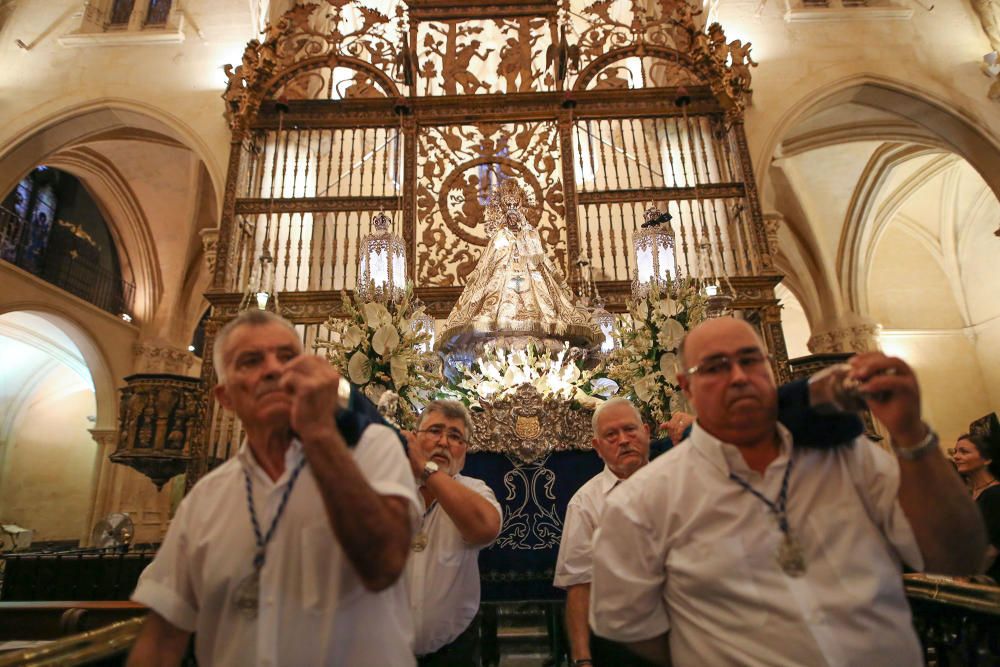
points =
(582, 516)
(443, 579)
(313, 609)
(681, 547)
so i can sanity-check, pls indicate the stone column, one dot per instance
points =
(102, 478)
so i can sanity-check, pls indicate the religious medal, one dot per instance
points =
(791, 557)
(419, 541)
(248, 594)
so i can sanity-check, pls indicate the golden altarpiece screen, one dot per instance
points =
(346, 109)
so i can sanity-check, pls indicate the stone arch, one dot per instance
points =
(864, 225)
(61, 141)
(921, 124)
(96, 358)
(961, 134)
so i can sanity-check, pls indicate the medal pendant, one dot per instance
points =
(790, 556)
(419, 542)
(247, 594)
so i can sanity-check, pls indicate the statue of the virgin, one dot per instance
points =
(516, 295)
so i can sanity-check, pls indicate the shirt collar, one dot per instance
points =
(608, 480)
(726, 458)
(293, 455)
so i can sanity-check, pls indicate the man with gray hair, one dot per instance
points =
(461, 516)
(289, 553)
(621, 439)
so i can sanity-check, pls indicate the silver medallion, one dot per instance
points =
(419, 541)
(247, 595)
(791, 557)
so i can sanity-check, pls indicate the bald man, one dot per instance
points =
(743, 548)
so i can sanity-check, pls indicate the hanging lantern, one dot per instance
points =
(382, 263)
(260, 288)
(423, 323)
(605, 321)
(718, 302)
(653, 245)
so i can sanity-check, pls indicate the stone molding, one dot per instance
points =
(154, 358)
(858, 338)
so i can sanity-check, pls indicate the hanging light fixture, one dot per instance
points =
(382, 263)
(653, 247)
(382, 254)
(718, 300)
(605, 321)
(423, 323)
(260, 290)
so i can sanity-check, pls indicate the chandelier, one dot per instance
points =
(653, 246)
(382, 263)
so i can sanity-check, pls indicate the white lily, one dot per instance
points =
(353, 336)
(375, 314)
(669, 366)
(399, 369)
(385, 340)
(358, 368)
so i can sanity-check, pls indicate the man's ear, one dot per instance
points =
(222, 396)
(684, 382)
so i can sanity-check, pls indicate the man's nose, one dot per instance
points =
(738, 374)
(272, 366)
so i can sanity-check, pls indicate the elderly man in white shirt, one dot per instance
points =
(291, 552)
(621, 439)
(461, 516)
(742, 549)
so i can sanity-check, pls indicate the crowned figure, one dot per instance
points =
(516, 295)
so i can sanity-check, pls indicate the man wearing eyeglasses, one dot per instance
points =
(461, 516)
(744, 548)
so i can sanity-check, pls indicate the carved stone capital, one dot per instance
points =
(858, 338)
(106, 438)
(151, 357)
(210, 244)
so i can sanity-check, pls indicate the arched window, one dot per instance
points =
(121, 12)
(54, 229)
(158, 12)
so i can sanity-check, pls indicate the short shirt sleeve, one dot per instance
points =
(876, 475)
(166, 585)
(573, 565)
(483, 489)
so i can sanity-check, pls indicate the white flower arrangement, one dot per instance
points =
(646, 361)
(378, 350)
(497, 373)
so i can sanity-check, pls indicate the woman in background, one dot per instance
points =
(977, 461)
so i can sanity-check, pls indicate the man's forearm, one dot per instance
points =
(475, 517)
(160, 644)
(373, 530)
(577, 628)
(944, 518)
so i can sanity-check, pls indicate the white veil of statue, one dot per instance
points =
(516, 295)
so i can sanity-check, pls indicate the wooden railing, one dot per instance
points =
(958, 622)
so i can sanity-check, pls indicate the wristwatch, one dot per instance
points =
(918, 451)
(429, 469)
